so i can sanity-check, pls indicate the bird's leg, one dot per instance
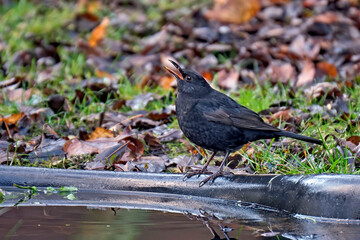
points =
(201, 171)
(216, 174)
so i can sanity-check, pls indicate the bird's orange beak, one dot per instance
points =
(175, 73)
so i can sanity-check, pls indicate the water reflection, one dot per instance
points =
(82, 223)
(91, 215)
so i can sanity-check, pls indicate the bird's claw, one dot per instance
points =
(211, 178)
(195, 172)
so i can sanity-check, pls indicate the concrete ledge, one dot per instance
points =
(328, 196)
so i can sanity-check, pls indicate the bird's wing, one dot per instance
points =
(233, 114)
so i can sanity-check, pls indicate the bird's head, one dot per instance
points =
(189, 81)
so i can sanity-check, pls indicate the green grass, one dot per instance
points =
(25, 21)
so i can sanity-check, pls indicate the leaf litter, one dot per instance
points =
(311, 47)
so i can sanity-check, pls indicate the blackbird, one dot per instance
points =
(216, 122)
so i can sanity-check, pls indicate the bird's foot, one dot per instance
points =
(212, 177)
(195, 172)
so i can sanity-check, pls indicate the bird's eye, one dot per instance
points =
(188, 78)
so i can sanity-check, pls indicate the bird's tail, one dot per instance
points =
(299, 137)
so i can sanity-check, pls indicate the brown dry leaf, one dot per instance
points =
(101, 133)
(233, 11)
(99, 32)
(110, 156)
(354, 139)
(152, 141)
(20, 95)
(85, 47)
(102, 74)
(284, 115)
(328, 18)
(228, 80)
(166, 82)
(279, 1)
(136, 146)
(11, 81)
(117, 104)
(307, 74)
(349, 144)
(327, 68)
(47, 128)
(281, 72)
(158, 115)
(49, 147)
(13, 118)
(318, 90)
(79, 147)
(58, 103)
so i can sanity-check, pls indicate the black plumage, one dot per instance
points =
(216, 122)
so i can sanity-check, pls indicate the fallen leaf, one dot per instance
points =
(49, 130)
(284, 115)
(166, 82)
(79, 147)
(20, 95)
(136, 146)
(279, 1)
(158, 115)
(117, 104)
(233, 11)
(327, 68)
(317, 91)
(281, 72)
(328, 18)
(100, 132)
(57, 103)
(228, 80)
(49, 148)
(354, 139)
(150, 164)
(207, 75)
(153, 142)
(99, 32)
(109, 157)
(11, 82)
(13, 118)
(102, 74)
(140, 101)
(307, 74)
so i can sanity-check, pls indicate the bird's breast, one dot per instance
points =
(207, 134)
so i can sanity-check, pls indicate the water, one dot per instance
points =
(81, 223)
(135, 215)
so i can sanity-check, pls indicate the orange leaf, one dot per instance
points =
(279, 1)
(99, 32)
(103, 74)
(93, 6)
(233, 11)
(88, 6)
(12, 119)
(327, 68)
(101, 133)
(166, 81)
(207, 75)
